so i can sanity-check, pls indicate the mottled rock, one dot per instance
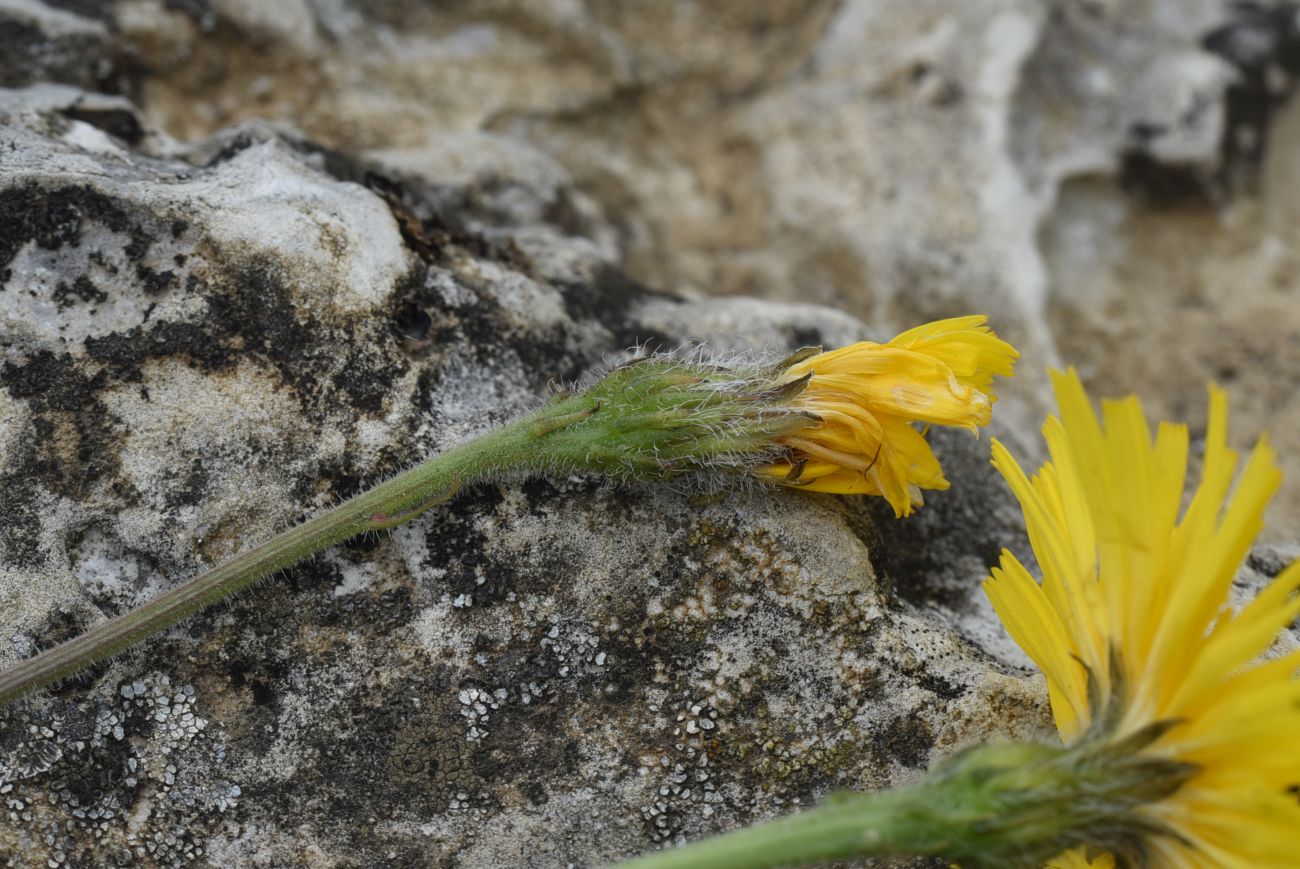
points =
(205, 338)
(40, 42)
(203, 343)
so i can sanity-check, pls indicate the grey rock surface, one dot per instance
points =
(201, 344)
(256, 255)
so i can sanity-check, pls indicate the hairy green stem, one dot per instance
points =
(1011, 806)
(649, 420)
(857, 825)
(513, 447)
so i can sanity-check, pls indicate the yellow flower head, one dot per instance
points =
(1131, 623)
(867, 398)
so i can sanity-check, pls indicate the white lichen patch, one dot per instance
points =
(105, 572)
(354, 579)
(42, 299)
(147, 736)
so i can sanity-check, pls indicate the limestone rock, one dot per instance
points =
(256, 255)
(203, 343)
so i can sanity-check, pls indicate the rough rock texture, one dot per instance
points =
(211, 325)
(202, 342)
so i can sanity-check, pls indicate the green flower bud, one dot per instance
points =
(661, 417)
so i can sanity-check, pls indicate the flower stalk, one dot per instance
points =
(1178, 727)
(1011, 805)
(658, 417)
(655, 418)
(383, 507)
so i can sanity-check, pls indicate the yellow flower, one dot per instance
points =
(867, 398)
(1131, 624)
(1076, 859)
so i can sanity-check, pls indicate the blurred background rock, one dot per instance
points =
(1117, 184)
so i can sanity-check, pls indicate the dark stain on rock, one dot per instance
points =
(121, 123)
(33, 55)
(908, 738)
(1164, 184)
(412, 325)
(429, 218)
(609, 299)
(938, 686)
(20, 542)
(457, 546)
(478, 328)
(190, 487)
(79, 444)
(366, 377)
(250, 315)
(256, 308)
(798, 337)
(1262, 41)
(399, 751)
(923, 559)
(50, 380)
(155, 282)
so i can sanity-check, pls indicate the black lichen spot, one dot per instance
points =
(1263, 43)
(122, 353)
(76, 430)
(430, 220)
(478, 327)
(798, 337)
(1269, 560)
(27, 214)
(153, 281)
(20, 532)
(53, 217)
(939, 686)
(536, 793)
(51, 380)
(366, 378)
(458, 546)
(189, 488)
(909, 739)
(257, 307)
(263, 693)
(82, 289)
(251, 315)
(238, 143)
(398, 754)
(926, 560)
(1161, 183)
